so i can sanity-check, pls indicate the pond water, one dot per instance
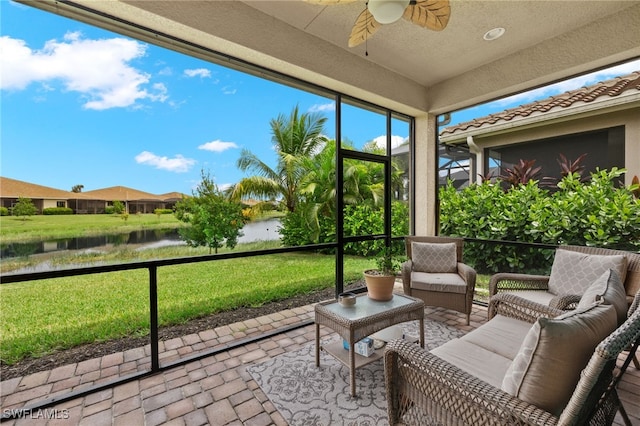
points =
(266, 230)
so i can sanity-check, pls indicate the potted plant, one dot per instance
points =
(381, 280)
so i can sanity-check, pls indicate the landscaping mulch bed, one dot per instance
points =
(99, 349)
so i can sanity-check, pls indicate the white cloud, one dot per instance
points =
(199, 72)
(323, 107)
(227, 90)
(396, 141)
(570, 84)
(178, 164)
(98, 69)
(217, 146)
(166, 71)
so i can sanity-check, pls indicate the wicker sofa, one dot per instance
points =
(537, 287)
(463, 381)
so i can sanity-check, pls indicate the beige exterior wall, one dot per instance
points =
(52, 203)
(630, 119)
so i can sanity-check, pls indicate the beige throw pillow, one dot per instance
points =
(434, 257)
(608, 288)
(547, 367)
(572, 272)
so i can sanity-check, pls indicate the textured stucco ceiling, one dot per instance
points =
(407, 67)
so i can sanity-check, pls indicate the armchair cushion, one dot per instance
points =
(434, 257)
(610, 289)
(572, 272)
(445, 283)
(554, 352)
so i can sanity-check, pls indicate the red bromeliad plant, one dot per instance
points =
(567, 167)
(635, 187)
(521, 173)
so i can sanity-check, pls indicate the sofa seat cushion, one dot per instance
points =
(554, 352)
(486, 365)
(501, 335)
(440, 282)
(572, 272)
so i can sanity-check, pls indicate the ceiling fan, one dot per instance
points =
(431, 14)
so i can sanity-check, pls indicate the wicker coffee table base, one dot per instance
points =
(365, 318)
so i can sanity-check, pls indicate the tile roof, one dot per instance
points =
(171, 196)
(13, 188)
(121, 193)
(610, 88)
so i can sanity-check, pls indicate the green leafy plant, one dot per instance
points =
(387, 263)
(24, 207)
(599, 212)
(215, 220)
(53, 211)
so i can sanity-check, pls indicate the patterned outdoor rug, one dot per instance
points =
(306, 395)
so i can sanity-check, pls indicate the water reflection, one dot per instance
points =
(147, 238)
(91, 242)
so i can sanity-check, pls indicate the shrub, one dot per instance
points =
(163, 211)
(109, 210)
(581, 213)
(4, 211)
(57, 211)
(359, 219)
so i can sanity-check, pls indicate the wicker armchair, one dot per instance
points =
(512, 282)
(460, 301)
(423, 389)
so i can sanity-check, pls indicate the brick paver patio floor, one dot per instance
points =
(215, 390)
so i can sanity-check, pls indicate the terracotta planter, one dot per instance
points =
(379, 287)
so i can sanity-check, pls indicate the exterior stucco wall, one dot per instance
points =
(52, 203)
(630, 119)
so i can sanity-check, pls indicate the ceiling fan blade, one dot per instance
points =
(431, 14)
(329, 2)
(364, 28)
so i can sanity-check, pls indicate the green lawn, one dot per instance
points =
(41, 316)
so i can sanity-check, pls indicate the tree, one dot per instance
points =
(314, 218)
(215, 220)
(77, 188)
(295, 138)
(118, 207)
(24, 207)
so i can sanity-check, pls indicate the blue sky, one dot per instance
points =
(81, 105)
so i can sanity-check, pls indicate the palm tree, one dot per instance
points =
(295, 138)
(363, 184)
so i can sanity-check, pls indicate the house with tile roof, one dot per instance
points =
(601, 120)
(89, 202)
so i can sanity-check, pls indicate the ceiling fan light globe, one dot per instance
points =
(387, 11)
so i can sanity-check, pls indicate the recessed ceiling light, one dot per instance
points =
(493, 34)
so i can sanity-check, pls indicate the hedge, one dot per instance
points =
(57, 211)
(593, 213)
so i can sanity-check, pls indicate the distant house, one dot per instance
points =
(602, 120)
(89, 202)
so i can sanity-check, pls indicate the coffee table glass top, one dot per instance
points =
(366, 307)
